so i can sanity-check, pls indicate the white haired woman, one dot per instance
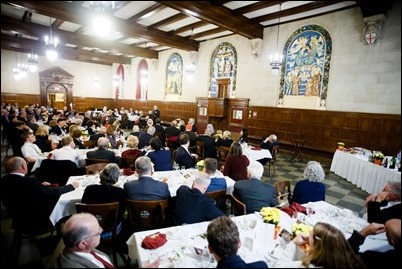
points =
(311, 188)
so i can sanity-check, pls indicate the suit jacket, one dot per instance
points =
(373, 258)
(29, 202)
(217, 183)
(209, 146)
(183, 158)
(255, 194)
(102, 153)
(306, 191)
(378, 215)
(235, 261)
(192, 206)
(161, 159)
(69, 259)
(146, 189)
(57, 130)
(144, 139)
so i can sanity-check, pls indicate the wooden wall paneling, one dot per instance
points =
(20, 99)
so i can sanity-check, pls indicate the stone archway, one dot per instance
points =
(56, 87)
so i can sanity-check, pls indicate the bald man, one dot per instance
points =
(102, 152)
(374, 258)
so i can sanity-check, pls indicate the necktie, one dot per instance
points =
(103, 261)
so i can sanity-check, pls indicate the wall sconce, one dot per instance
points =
(275, 60)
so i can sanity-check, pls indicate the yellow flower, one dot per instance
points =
(270, 215)
(379, 155)
(341, 144)
(301, 228)
(200, 163)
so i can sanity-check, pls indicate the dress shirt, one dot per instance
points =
(66, 153)
(31, 150)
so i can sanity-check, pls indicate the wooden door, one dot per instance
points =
(223, 88)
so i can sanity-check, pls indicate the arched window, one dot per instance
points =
(142, 81)
(174, 75)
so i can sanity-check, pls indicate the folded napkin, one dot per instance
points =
(294, 207)
(154, 241)
(128, 172)
(256, 148)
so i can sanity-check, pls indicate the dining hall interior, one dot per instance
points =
(323, 76)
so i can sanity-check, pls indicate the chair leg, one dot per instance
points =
(269, 168)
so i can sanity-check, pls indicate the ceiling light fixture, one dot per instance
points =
(32, 62)
(101, 23)
(275, 60)
(51, 44)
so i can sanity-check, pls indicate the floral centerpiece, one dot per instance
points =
(341, 145)
(378, 158)
(271, 215)
(298, 228)
(200, 165)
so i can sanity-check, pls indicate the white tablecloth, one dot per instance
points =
(66, 204)
(365, 175)
(256, 154)
(257, 242)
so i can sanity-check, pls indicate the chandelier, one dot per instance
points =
(275, 60)
(32, 62)
(51, 44)
(101, 22)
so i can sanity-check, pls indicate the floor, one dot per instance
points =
(338, 192)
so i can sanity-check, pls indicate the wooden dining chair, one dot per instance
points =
(272, 161)
(283, 190)
(89, 161)
(238, 208)
(222, 154)
(128, 162)
(146, 215)
(219, 197)
(89, 144)
(93, 168)
(199, 149)
(107, 216)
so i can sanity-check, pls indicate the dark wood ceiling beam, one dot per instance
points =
(294, 10)
(218, 15)
(218, 3)
(254, 7)
(26, 46)
(145, 12)
(189, 27)
(209, 32)
(173, 19)
(10, 24)
(65, 11)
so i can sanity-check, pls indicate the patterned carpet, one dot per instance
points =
(338, 192)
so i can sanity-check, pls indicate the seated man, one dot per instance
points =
(31, 151)
(102, 152)
(224, 242)
(253, 192)
(146, 188)
(269, 142)
(217, 183)
(386, 204)
(67, 152)
(192, 205)
(183, 155)
(29, 201)
(371, 257)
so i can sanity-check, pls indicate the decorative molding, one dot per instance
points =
(373, 28)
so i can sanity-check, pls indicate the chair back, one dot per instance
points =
(93, 168)
(89, 144)
(283, 190)
(238, 207)
(107, 216)
(219, 197)
(199, 149)
(222, 154)
(89, 161)
(271, 162)
(127, 162)
(147, 215)
(173, 157)
(56, 171)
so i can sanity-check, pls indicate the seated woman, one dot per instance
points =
(132, 151)
(225, 141)
(107, 193)
(77, 139)
(43, 140)
(312, 188)
(236, 163)
(243, 136)
(160, 156)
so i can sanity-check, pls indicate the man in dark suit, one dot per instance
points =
(183, 156)
(146, 188)
(224, 242)
(29, 201)
(209, 144)
(253, 192)
(102, 152)
(60, 128)
(192, 205)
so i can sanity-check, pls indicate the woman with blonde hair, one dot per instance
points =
(325, 247)
(132, 150)
(236, 163)
(43, 140)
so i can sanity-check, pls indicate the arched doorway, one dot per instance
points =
(56, 88)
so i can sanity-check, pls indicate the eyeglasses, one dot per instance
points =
(99, 233)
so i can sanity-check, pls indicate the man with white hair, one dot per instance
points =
(269, 143)
(253, 192)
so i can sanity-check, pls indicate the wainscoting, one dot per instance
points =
(321, 129)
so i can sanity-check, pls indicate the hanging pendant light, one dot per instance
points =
(275, 60)
(51, 44)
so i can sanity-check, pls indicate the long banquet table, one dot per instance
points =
(257, 237)
(66, 204)
(362, 173)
